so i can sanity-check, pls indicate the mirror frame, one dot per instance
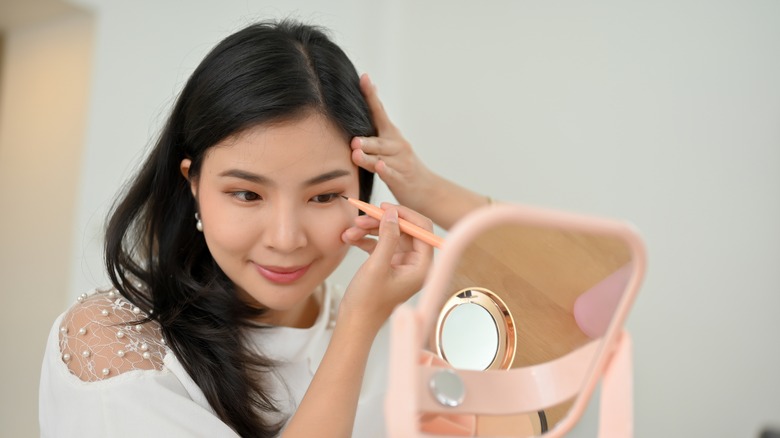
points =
(502, 318)
(411, 328)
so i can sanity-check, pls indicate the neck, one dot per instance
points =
(302, 316)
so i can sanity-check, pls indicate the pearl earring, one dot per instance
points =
(198, 223)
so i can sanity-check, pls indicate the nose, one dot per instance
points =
(283, 228)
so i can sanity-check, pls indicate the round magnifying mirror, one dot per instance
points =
(475, 331)
(469, 337)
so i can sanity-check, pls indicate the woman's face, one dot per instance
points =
(270, 202)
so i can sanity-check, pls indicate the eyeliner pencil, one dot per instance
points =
(405, 226)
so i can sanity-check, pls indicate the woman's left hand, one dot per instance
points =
(391, 156)
(413, 184)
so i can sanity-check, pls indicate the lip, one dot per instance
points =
(282, 274)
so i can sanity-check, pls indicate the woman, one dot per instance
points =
(220, 321)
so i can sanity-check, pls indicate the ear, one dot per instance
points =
(185, 171)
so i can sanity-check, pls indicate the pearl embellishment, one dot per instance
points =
(114, 334)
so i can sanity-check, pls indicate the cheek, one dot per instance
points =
(329, 226)
(224, 229)
(226, 236)
(224, 247)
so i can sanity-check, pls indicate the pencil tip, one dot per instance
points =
(345, 197)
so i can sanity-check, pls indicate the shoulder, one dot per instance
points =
(103, 336)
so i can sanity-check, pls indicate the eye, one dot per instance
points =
(245, 196)
(325, 198)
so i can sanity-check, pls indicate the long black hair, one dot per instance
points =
(266, 73)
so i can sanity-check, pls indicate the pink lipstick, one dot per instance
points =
(282, 274)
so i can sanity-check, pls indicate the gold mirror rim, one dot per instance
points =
(502, 317)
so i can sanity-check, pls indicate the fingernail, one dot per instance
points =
(392, 215)
(370, 82)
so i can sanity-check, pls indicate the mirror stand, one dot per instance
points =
(520, 317)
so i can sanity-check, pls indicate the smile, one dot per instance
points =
(282, 274)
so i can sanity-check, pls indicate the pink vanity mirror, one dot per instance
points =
(521, 316)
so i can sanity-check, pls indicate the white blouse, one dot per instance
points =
(104, 377)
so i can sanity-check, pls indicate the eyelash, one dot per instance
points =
(331, 197)
(242, 196)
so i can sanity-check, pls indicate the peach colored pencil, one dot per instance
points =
(405, 226)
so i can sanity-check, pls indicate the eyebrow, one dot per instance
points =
(333, 174)
(260, 179)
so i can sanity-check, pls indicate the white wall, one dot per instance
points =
(664, 113)
(43, 106)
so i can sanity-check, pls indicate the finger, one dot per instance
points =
(371, 159)
(366, 244)
(376, 145)
(354, 234)
(378, 113)
(387, 173)
(417, 219)
(369, 153)
(366, 222)
(409, 215)
(389, 235)
(364, 160)
(351, 235)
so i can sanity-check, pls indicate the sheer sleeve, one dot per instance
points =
(106, 374)
(102, 336)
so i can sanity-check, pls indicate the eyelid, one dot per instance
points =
(237, 195)
(333, 196)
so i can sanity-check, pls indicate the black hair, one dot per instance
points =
(268, 72)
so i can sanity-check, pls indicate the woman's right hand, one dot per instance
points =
(396, 266)
(393, 272)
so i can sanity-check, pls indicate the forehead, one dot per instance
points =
(301, 147)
